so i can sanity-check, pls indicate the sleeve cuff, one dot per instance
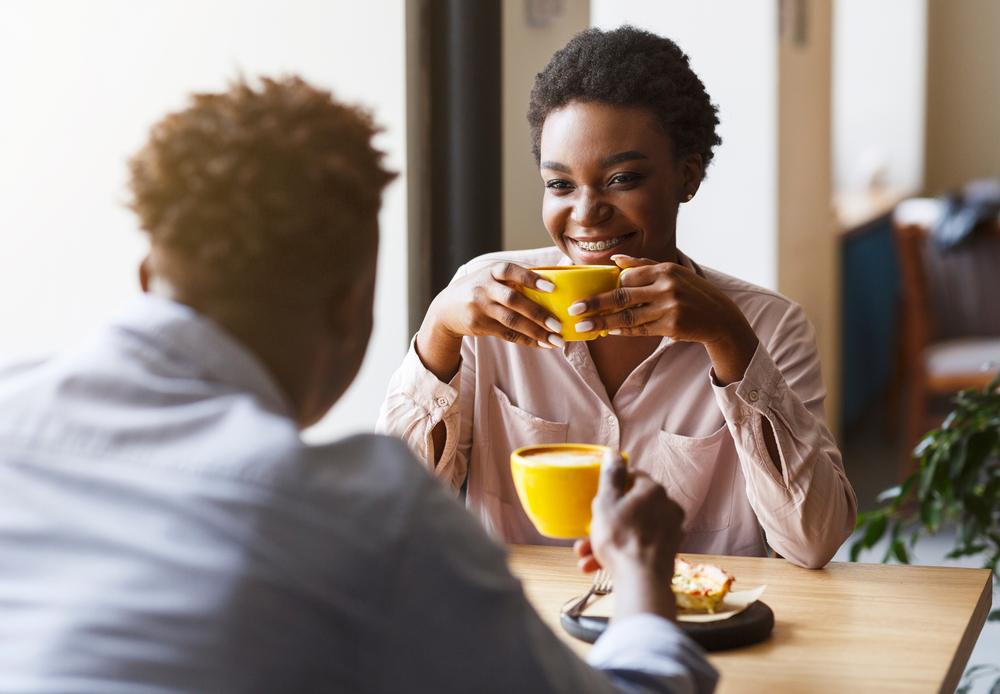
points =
(653, 645)
(434, 396)
(751, 394)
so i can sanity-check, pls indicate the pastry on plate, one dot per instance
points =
(699, 587)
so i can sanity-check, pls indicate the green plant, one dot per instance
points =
(956, 484)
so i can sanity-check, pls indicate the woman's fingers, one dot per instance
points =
(522, 320)
(635, 310)
(513, 327)
(626, 261)
(512, 272)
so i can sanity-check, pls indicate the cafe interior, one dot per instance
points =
(859, 175)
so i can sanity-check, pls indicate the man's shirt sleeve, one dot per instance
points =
(460, 622)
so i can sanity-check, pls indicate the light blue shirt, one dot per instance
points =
(163, 528)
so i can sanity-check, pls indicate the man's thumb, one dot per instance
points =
(614, 475)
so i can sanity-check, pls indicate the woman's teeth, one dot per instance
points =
(597, 246)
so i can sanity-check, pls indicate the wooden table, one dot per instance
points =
(846, 628)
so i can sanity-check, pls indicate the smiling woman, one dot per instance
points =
(711, 384)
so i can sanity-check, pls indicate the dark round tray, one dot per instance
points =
(752, 625)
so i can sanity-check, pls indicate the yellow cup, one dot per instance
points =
(556, 484)
(573, 283)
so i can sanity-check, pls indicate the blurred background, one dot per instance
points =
(833, 113)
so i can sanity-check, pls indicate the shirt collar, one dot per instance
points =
(185, 333)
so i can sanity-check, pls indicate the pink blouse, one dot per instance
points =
(701, 441)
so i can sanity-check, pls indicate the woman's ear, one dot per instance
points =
(693, 172)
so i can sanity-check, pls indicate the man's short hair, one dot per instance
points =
(278, 184)
(629, 67)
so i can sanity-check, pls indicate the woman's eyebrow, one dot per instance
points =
(631, 155)
(555, 166)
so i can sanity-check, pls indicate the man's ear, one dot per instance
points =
(144, 274)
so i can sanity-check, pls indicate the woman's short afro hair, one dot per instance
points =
(629, 67)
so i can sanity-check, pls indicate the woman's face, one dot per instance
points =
(612, 183)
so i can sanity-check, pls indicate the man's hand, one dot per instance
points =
(635, 533)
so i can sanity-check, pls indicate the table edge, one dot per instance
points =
(969, 638)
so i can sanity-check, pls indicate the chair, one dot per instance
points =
(950, 327)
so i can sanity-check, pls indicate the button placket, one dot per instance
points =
(614, 434)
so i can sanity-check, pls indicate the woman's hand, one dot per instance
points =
(669, 300)
(485, 303)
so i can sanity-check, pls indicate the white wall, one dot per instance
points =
(879, 92)
(83, 80)
(731, 225)
(527, 49)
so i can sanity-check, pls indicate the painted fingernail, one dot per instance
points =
(585, 326)
(546, 345)
(615, 331)
(557, 341)
(553, 325)
(577, 308)
(545, 286)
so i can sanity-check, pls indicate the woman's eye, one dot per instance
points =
(558, 185)
(624, 178)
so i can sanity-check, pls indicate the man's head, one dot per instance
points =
(261, 206)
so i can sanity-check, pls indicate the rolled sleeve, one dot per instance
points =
(416, 402)
(807, 509)
(744, 402)
(644, 649)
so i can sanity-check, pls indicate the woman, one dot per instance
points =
(711, 384)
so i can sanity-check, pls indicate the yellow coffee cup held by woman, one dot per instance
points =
(556, 484)
(574, 283)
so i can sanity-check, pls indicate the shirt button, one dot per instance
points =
(611, 420)
(442, 402)
(754, 397)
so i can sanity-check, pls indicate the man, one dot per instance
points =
(164, 529)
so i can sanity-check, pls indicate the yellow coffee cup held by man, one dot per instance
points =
(573, 283)
(556, 484)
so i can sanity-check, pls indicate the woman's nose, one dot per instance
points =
(590, 210)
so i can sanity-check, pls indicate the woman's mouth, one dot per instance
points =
(599, 246)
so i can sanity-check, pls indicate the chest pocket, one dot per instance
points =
(699, 474)
(510, 428)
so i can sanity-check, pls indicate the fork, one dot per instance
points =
(602, 586)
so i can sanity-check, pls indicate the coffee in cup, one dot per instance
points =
(557, 484)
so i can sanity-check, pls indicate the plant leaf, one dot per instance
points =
(875, 530)
(930, 514)
(887, 494)
(966, 551)
(994, 616)
(927, 472)
(927, 442)
(904, 494)
(899, 549)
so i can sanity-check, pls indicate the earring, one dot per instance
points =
(690, 195)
